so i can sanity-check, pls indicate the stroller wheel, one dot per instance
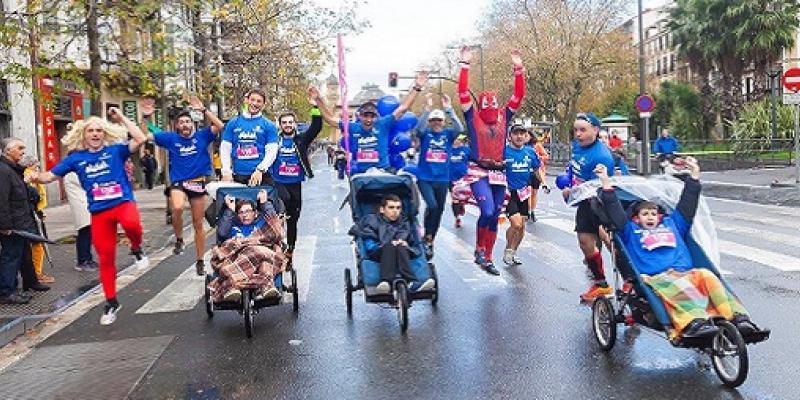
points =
(247, 311)
(435, 296)
(604, 324)
(348, 292)
(295, 292)
(729, 355)
(401, 296)
(207, 298)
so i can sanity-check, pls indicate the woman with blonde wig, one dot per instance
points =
(98, 159)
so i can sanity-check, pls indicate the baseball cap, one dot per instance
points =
(436, 114)
(517, 127)
(588, 117)
(367, 108)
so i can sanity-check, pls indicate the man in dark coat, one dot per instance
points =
(149, 167)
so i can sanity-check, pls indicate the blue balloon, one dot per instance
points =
(563, 181)
(407, 122)
(387, 104)
(397, 161)
(400, 143)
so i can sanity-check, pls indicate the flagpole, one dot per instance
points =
(343, 98)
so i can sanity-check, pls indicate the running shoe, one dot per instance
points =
(200, 267)
(532, 217)
(508, 257)
(109, 314)
(232, 295)
(383, 288)
(458, 222)
(516, 259)
(428, 250)
(179, 246)
(480, 257)
(141, 260)
(595, 291)
(490, 269)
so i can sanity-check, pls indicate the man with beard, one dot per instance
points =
(249, 144)
(189, 164)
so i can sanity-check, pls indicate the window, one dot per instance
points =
(665, 65)
(658, 67)
(672, 63)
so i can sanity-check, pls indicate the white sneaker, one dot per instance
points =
(140, 259)
(427, 285)
(383, 287)
(272, 293)
(233, 295)
(516, 260)
(508, 257)
(109, 314)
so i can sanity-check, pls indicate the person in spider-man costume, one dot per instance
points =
(486, 126)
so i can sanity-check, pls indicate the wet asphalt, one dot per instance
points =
(521, 336)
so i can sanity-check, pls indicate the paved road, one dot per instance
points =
(520, 335)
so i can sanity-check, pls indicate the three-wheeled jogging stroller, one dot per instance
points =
(635, 303)
(248, 305)
(366, 193)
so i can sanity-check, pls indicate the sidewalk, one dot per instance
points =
(70, 284)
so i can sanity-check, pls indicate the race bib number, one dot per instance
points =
(497, 178)
(289, 170)
(370, 156)
(658, 237)
(194, 186)
(107, 191)
(247, 152)
(524, 193)
(436, 156)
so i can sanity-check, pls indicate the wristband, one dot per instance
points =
(418, 88)
(464, 62)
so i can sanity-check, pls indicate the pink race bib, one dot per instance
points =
(289, 170)
(658, 237)
(436, 156)
(524, 193)
(247, 152)
(367, 156)
(107, 191)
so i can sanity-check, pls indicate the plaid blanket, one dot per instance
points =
(693, 294)
(250, 262)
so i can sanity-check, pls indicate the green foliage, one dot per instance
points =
(678, 107)
(620, 100)
(752, 127)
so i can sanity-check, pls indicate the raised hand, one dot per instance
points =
(694, 167)
(313, 94)
(429, 100)
(466, 54)
(446, 103)
(422, 79)
(115, 115)
(147, 106)
(262, 196)
(516, 58)
(196, 104)
(230, 202)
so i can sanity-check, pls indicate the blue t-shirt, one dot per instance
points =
(520, 164)
(666, 145)
(248, 136)
(188, 157)
(369, 148)
(102, 175)
(242, 231)
(459, 158)
(434, 155)
(585, 159)
(286, 168)
(657, 250)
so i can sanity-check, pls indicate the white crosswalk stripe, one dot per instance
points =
(181, 294)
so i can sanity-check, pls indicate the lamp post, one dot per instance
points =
(773, 87)
(644, 121)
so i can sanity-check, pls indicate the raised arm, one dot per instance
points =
(519, 81)
(448, 109)
(611, 203)
(147, 107)
(316, 123)
(690, 196)
(419, 84)
(422, 122)
(137, 136)
(325, 112)
(216, 124)
(463, 78)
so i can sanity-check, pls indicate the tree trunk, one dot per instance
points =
(95, 61)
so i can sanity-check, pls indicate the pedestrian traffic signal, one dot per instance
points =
(392, 79)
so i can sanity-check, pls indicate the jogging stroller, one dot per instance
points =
(366, 193)
(248, 305)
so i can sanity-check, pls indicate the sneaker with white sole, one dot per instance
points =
(109, 314)
(141, 260)
(383, 287)
(232, 295)
(516, 259)
(508, 257)
(427, 285)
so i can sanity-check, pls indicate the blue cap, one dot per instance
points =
(588, 117)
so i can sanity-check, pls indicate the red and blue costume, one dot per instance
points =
(487, 130)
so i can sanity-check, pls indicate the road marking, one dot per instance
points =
(303, 264)
(790, 223)
(760, 234)
(181, 294)
(765, 257)
(788, 211)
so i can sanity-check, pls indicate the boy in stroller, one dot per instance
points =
(389, 242)
(657, 245)
(250, 252)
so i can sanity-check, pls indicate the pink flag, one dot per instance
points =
(343, 97)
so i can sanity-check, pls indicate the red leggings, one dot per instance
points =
(104, 238)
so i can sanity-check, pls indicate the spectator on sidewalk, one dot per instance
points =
(149, 167)
(38, 195)
(615, 142)
(665, 146)
(16, 213)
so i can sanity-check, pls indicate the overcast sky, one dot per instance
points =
(407, 33)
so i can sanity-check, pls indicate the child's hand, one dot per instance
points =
(602, 172)
(262, 196)
(694, 167)
(230, 202)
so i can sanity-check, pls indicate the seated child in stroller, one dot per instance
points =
(657, 245)
(250, 252)
(389, 241)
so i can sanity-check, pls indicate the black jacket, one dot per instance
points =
(304, 139)
(16, 211)
(376, 231)
(149, 164)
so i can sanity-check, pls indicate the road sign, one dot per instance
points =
(791, 98)
(645, 103)
(645, 114)
(791, 80)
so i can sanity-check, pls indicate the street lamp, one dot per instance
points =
(642, 89)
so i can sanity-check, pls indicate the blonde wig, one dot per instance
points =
(73, 140)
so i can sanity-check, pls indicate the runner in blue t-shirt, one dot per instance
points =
(368, 142)
(521, 162)
(587, 152)
(249, 144)
(433, 172)
(98, 159)
(292, 166)
(459, 159)
(189, 165)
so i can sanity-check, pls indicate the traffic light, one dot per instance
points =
(392, 79)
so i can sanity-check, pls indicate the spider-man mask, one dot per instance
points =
(487, 107)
